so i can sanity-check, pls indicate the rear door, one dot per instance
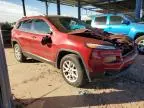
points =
(100, 22)
(40, 29)
(24, 35)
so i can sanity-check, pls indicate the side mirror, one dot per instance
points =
(50, 32)
(46, 40)
(125, 22)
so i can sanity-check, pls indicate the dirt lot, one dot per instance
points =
(39, 85)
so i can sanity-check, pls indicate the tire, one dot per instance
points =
(140, 44)
(18, 53)
(72, 70)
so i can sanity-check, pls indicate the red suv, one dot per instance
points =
(81, 52)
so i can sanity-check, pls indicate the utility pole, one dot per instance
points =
(109, 2)
(5, 91)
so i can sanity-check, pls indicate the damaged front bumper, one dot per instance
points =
(111, 70)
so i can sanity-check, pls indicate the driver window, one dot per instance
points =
(41, 27)
(115, 20)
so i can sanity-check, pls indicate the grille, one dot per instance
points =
(126, 49)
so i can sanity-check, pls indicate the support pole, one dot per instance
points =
(115, 6)
(58, 7)
(138, 8)
(46, 5)
(79, 9)
(5, 91)
(24, 10)
(109, 6)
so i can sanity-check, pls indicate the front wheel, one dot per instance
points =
(72, 70)
(140, 44)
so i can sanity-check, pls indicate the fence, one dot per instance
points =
(6, 36)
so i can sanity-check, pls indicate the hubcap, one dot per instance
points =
(141, 45)
(70, 71)
(17, 52)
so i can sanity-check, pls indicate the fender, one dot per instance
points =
(14, 40)
(75, 52)
(133, 33)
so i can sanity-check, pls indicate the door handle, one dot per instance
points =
(34, 37)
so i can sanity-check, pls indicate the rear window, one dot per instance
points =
(101, 20)
(25, 25)
(115, 20)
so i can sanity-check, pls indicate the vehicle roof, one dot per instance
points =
(44, 16)
(109, 14)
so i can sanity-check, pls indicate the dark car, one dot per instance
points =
(82, 53)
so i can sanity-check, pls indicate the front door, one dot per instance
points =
(40, 30)
(116, 27)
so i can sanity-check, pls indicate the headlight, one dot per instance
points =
(98, 46)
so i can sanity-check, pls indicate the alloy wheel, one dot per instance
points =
(70, 71)
(17, 52)
(141, 45)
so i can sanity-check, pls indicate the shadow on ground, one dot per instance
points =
(126, 89)
(126, 92)
(32, 61)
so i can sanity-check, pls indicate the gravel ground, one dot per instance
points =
(39, 85)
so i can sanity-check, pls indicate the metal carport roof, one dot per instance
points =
(118, 5)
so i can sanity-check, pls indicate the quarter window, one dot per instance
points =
(115, 20)
(101, 20)
(40, 26)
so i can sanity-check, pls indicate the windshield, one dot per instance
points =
(67, 24)
(131, 18)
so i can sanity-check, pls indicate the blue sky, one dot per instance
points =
(11, 10)
(40, 6)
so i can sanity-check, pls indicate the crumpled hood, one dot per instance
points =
(79, 31)
(100, 35)
(121, 42)
(89, 35)
(121, 39)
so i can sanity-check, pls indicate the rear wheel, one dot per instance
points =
(72, 70)
(18, 53)
(140, 44)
